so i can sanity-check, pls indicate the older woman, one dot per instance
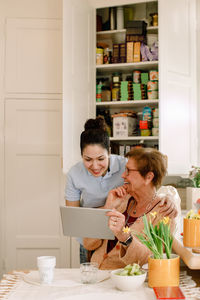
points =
(143, 175)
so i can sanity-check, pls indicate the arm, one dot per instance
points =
(72, 203)
(72, 192)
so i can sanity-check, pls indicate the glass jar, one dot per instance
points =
(116, 91)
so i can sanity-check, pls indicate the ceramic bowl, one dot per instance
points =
(127, 283)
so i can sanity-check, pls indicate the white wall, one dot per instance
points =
(29, 9)
(198, 74)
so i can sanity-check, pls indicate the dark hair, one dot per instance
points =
(95, 133)
(150, 160)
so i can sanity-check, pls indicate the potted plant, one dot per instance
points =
(193, 193)
(163, 266)
(191, 229)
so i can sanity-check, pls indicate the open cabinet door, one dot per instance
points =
(177, 74)
(78, 75)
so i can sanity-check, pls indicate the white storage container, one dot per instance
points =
(123, 125)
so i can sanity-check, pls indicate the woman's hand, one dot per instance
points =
(116, 223)
(115, 197)
(168, 208)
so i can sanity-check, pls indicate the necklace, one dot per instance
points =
(148, 208)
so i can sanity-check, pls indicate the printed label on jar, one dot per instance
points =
(153, 75)
(152, 95)
(136, 76)
(152, 85)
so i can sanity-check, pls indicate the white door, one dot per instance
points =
(33, 143)
(33, 180)
(178, 105)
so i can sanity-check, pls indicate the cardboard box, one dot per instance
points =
(129, 52)
(123, 126)
(136, 52)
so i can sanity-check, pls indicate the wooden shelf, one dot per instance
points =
(111, 34)
(126, 67)
(131, 103)
(135, 138)
(152, 29)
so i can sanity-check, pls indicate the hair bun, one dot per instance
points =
(98, 123)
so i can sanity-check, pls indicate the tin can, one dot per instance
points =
(136, 76)
(155, 122)
(152, 85)
(152, 95)
(155, 131)
(155, 112)
(153, 75)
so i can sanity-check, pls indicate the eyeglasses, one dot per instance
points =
(127, 171)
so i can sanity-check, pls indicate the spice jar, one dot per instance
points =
(99, 56)
(116, 91)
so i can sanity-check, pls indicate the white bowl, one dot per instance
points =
(127, 283)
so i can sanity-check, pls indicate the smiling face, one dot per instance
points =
(133, 180)
(96, 160)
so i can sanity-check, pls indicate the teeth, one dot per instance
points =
(125, 182)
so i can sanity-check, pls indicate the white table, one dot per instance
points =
(66, 285)
(192, 260)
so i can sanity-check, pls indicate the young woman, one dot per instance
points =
(90, 180)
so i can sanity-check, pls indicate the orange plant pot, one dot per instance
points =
(164, 272)
(191, 233)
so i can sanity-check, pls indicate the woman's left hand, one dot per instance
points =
(168, 208)
(116, 223)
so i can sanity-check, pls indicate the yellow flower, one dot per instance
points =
(165, 220)
(126, 229)
(153, 214)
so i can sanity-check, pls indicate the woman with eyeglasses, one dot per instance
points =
(90, 180)
(141, 194)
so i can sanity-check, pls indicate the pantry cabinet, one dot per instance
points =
(177, 99)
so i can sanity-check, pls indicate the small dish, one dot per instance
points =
(127, 283)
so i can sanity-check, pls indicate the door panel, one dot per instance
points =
(33, 183)
(177, 74)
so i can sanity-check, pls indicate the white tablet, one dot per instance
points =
(85, 222)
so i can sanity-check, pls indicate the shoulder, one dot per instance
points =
(167, 190)
(121, 160)
(76, 169)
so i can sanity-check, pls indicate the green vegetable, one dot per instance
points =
(131, 270)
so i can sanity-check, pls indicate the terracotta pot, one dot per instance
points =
(191, 233)
(164, 272)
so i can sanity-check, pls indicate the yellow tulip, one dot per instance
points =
(153, 214)
(165, 220)
(126, 229)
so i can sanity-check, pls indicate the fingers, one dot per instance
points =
(120, 191)
(116, 221)
(169, 211)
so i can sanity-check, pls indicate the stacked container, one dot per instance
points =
(152, 85)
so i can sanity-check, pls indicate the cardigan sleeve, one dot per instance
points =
(92, 244)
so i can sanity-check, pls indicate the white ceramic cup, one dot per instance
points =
(89, 272)
(46, 265)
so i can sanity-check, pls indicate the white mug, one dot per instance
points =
(46, 265)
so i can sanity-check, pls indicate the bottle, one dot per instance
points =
(112, 18)
(120, 17)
